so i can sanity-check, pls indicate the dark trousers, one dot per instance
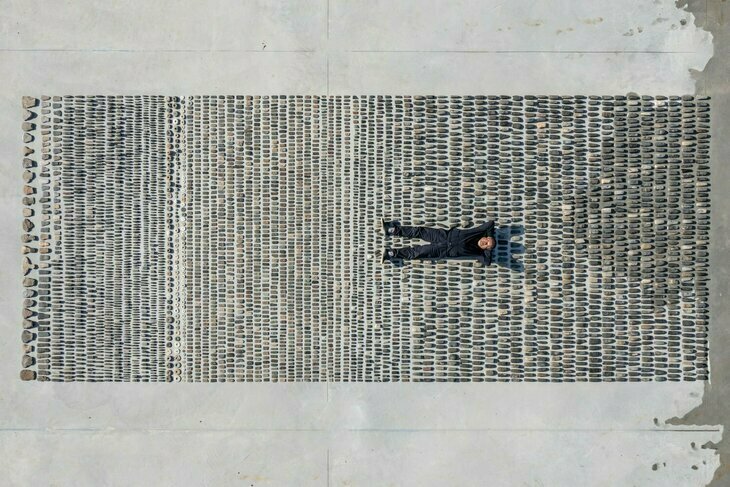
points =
(437, 249)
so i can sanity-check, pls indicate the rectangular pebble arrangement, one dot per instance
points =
(238, 238)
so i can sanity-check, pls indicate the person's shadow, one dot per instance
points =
(506, 250)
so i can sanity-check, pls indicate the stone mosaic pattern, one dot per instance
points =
(236, 238)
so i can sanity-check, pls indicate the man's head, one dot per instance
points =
(486, 243)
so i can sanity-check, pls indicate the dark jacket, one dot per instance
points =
(458, 241)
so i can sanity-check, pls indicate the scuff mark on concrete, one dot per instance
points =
(712, 81)
(594, 21)
(533, 23)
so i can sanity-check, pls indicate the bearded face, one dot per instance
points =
(486, 243)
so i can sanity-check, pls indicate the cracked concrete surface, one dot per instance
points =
(337, 434)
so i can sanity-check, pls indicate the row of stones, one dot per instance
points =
(271, 207)
(109, 268)
(225, 362)
(571, 174)
(30, 248)
(60, 334)
(270, 298)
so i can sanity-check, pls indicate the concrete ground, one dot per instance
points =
(713, 80)
(360, 434)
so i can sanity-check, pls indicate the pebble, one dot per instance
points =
(29, 102)
(27, 374)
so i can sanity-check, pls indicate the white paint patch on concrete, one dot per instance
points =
(312, 434)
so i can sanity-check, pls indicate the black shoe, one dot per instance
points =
(388, 255)
(389, 228)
